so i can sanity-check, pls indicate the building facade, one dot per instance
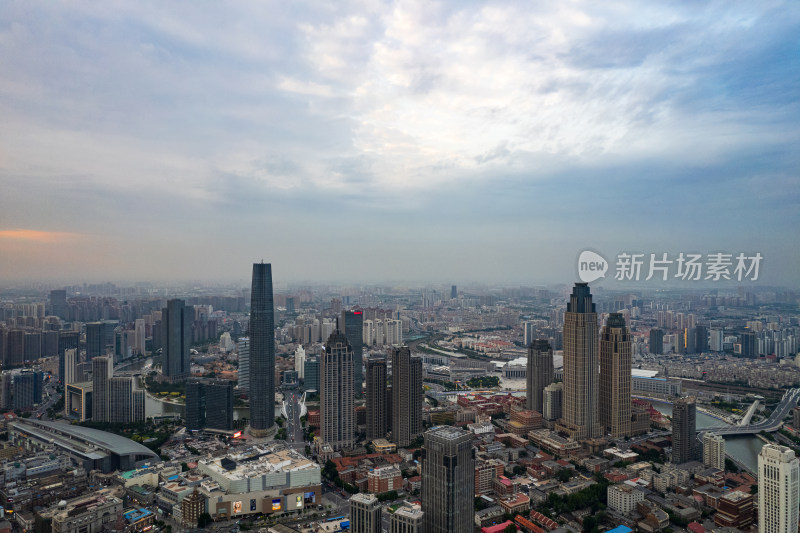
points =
(102, 372)
(209, 404)
(540, 373)
(448, 480)
(615, 377)
(262, 352)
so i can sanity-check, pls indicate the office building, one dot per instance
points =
(615, 377)
(209, 404)
(448, 480)
(58, 303)
(553, 401)
(365, 514)
(657, 341)
(407, 519)
(139, 337)
(749, 345)
(716, 340)
(99, 338)
(27, 389)
(243, 374)
(581, 418)
(735, 510)
(15, 347)
(624, 498)
(714, 450)
(33, 346)
(376, 399)
(701, 339)
(336, 393)
(540, 373)
(352, 326)
(78, 400)
(453, 292)
(70, 366)
(311, 373)
(778, 489)
(102, 372)
(262, 352)
(176, 323)
(684, 430)
(407, 395)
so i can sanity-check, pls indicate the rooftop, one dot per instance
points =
(258, 460)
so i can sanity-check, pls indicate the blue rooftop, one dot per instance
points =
(135, 515)
(620, 529)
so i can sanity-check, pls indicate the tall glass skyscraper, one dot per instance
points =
(262, 352)
(176, 319)
(353, 328)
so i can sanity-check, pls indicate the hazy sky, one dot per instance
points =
(363, 141)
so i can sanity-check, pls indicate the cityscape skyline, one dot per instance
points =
(127, 155)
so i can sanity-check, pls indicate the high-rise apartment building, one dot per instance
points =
(176, 323)
(684, 430)
(615, 377)
(657, 341)
(454, 292)
(353, 328)
(716, 340)
(448, 480)
(376, 398)
(127, 403)
(714, 451)
(540, 373)
(5, 390)
(553, 401)
(336, 393)
(102, 372)
(262, 351)
(365, 513)
(139, 336)
(243, 371)
(700, 339)
(300, 362)
(406, 395)
(581, 418)
(778, 489)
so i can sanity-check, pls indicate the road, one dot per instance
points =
(773, 423)
(294, 429)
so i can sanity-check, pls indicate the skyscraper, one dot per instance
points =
(209, 404)
(553, 401)
(176, 321)
(126, 403)
(448, 480)
(102, 372)
(684, 430)
(701, 339)
(365, 513)
(615, 377)
(778, 489)
(714, 451)
(336, 393)
(58, 303)
(311, 373)
(353, 328)
(581, 420)
(300, 362)
(540, 373)
(243, 374)
(5, 390)
(406, 395)
(262, 352)
(454, 292)
(657, 341)
(376, 399)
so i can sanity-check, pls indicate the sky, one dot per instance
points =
(410, 140)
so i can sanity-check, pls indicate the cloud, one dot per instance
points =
(147, 125)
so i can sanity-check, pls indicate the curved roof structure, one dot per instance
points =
(106, 451)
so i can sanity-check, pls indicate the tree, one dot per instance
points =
(510, 528)
(203, 520)
(564, 475)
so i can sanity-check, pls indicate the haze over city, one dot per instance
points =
(414, 141)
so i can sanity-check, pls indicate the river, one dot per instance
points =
(745, 448)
